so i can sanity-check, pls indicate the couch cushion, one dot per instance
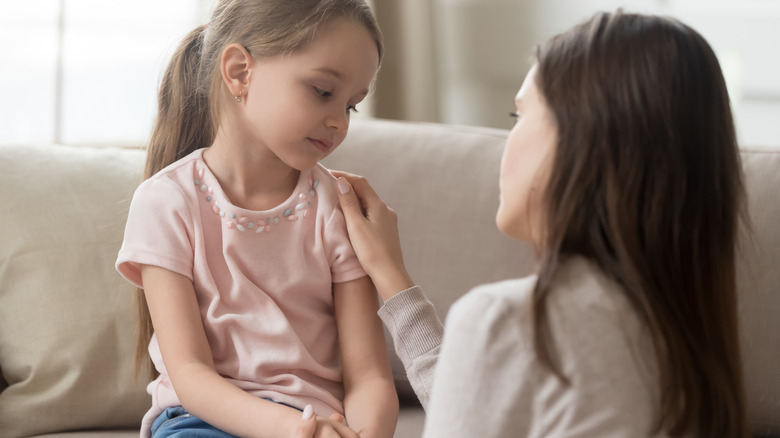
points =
(133, 433)
(66, 317)
(758, 276)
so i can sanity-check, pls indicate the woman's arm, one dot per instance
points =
(187, 356)
(417, 335)
(370, 401)
(409, 317)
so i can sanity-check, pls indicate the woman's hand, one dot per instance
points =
(314, 427)
(373, 231)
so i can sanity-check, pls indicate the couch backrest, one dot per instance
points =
(67, 318)
(443, 182)
(67, 324)
(758, 278)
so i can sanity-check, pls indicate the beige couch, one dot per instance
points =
(67, 321)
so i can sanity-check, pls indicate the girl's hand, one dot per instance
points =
(314, 427)
(373, 231)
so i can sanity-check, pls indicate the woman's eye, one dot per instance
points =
(322, 93)
(352, 108)
(514, 114)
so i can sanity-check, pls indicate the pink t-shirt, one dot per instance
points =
(263, 280)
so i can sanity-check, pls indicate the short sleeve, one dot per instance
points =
(344, 265)
(157, 233)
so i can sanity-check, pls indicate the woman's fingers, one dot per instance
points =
(365, 193)
(373, 231)
(351, 204)
(308, 426)
(343, 430)
(332, 427)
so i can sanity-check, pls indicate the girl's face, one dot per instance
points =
(526, 163)
(298, 106)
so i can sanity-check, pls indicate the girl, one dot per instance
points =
(236, 238)
(623, 171)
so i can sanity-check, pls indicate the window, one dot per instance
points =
(476, 85)
(87, 71)
(744, 35)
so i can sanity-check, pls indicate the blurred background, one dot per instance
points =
(87, 71)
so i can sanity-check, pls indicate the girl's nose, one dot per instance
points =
(339, 120)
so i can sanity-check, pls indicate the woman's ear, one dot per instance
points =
(235, 65)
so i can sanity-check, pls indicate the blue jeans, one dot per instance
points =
(176, 422)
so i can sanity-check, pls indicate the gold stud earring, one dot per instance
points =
(238, 98)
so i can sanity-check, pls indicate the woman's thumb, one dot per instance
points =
(308, 426)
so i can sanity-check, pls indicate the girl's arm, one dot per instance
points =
(371, 401)
(409, 316)
(201, 390)
(373, 231)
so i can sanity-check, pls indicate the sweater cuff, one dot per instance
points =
(412, 322)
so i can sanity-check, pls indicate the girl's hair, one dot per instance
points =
(192, 91)
(646, 182)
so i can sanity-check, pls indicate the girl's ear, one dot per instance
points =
(236, 64)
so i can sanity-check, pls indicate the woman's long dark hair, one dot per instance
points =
(646, 182)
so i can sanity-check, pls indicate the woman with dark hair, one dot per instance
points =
(623, 171)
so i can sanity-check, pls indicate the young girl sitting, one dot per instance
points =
(258, 303)
(623, 171)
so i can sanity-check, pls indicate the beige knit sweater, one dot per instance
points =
(482, 378)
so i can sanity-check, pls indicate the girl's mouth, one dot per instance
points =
(323, 145)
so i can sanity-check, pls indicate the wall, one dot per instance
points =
(86, 71)
(484, 47)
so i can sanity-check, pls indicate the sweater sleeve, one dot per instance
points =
(486, 376)
(417, 334)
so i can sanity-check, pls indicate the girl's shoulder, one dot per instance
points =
(325, 186)
(181, 169)
(326, 179)
(172, 184)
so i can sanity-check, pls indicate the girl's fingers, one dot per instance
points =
(338, 417)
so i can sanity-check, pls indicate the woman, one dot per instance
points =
(623, 171)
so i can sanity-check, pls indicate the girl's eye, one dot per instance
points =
(352, 108)
(322, 93)
(514, 114)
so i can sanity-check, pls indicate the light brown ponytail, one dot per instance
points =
(183, 124)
